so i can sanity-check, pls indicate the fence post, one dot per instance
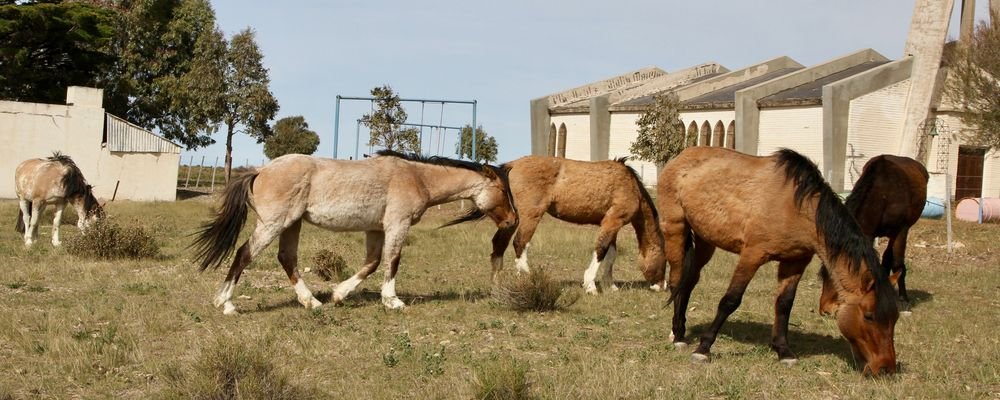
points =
(215, 165)
(200, 167)
(188, 179)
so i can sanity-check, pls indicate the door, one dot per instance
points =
(969, 178)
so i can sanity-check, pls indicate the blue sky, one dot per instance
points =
(505, 53)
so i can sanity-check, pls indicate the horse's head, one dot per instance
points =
(92, 209)
(654, 268)
(495, 199)
(869, 326)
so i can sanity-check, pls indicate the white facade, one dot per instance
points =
(577, 134)
(874, 127)
(796, 128)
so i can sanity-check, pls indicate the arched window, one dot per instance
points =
(706, 135)
(719, 134)
(731, 135)
(691, 138)
(551, 149)
(562, 141)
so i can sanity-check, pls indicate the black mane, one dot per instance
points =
(73, 182)
(436, 160)
(642, 188)
(842, 235)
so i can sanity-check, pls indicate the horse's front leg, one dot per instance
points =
(501, 240)
(747, 267)
(789, 274)
(288, 256)
(394, 237)
(374, 241)
(604, 253)
(56, 221)
(37, 208)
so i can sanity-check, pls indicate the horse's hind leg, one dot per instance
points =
(894, 260)
(607, 279)
(31, 232)
(501, 240)
(789, 274)
(374, 241)
(56, 221)
(610, 225)
(25, 206)
(745, 270)
(525, 230)
(288, 256)
(262, 236)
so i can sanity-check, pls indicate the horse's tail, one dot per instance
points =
(19, 225)
(688, 274)
(217, 238)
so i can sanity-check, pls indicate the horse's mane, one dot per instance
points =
(842, 235)
(642, 188)
(73, 182)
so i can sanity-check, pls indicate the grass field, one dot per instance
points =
(75, 328)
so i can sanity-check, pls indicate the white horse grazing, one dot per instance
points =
(55, 180)
(382, 196)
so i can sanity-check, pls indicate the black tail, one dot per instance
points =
(19, 225)
(473, 215)
(687, 268)
(217, 238)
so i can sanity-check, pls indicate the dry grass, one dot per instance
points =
(330, 266)
(505, 378)
(81, 328)
(532, 291)
(106, 239)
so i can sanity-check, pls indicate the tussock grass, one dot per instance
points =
(504, 378)
(532, 291)
(330, 266)
(106, 239)
(232, 369)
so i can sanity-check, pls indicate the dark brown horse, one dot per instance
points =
(886, 201)
(605, 193)
(775, 208)
(55, 180)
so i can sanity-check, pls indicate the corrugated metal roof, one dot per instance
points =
(125, 137)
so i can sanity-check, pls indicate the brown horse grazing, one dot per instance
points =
(771, 208)
(886, 201)
(55, 180)
(604, 193)
(382, 196)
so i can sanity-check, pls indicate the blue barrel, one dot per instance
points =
(933, 208)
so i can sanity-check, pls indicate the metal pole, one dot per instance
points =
(979, 219)
(474, 132)
(441, 131)
(336, 127)
(421, 148)
(188, 179)
(947, 205)
(200, 167)
(215, 165)
(357, 138)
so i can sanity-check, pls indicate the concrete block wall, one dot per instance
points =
(873, 128)
(796, 128)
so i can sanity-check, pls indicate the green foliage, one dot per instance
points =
(661, 132)
(486, 145)
(505, 378)
(107, 240)
(248, 100)
(46, 47)
(385, 123)
(976, 83)
(532, 291)
(291, 136)
(232, 369)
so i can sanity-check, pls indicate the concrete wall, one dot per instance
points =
(873, 128)
(624, 130)
(32, 130)
(796, 128)
(577, 134)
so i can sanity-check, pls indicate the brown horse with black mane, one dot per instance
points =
(55, 180)
(604, 193)
(771, 208)
(382, 196)
(886, 201)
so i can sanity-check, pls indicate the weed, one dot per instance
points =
(15, 285)
(501, 379)
(434, 362)
(107, 240)
(329, 266)
(533, 291)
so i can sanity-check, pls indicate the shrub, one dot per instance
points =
(106, 239)
(329, 266)
(231, 369)
(501, 379)
(532, 291)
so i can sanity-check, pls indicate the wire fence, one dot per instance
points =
(207, 174)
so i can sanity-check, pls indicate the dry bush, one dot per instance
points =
(329, 266)
(502, 379)
(532, 291)
(106, 239)
(230, 369)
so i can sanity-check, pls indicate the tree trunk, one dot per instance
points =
(229, 151)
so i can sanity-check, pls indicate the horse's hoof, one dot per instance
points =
(590, 288)
(613, 287)
(656, 288)
(393, 303)
(789, 361)
(311, 303)
(699, 358)
(906, 313)
(229, 309)
(680, 345)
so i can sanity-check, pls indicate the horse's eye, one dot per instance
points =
(869, 316)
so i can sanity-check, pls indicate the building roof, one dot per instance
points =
(125, 137)
(651, 98)
(725, 98)
(811, 93)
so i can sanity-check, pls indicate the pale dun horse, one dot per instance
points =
(55, 180)
(605, 193)
(382, 196)
(775, 208)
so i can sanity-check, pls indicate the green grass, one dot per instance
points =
(80, 328)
